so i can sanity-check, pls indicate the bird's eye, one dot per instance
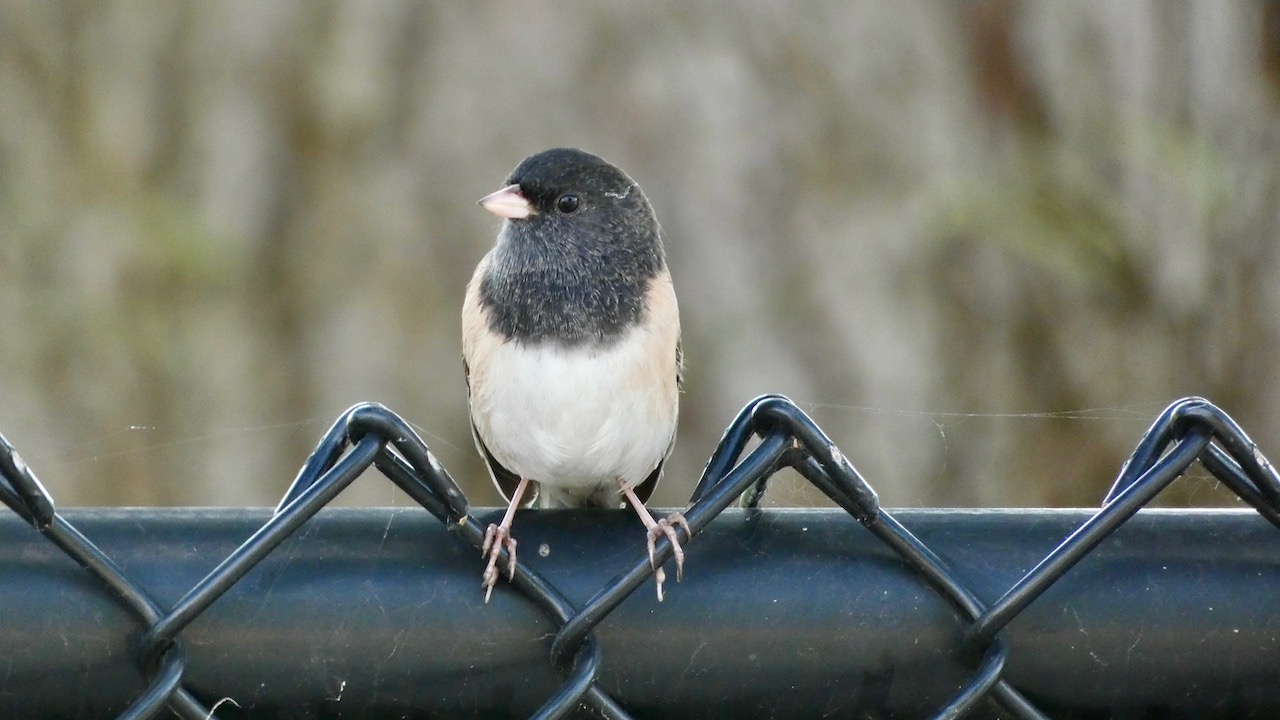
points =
(567, 204)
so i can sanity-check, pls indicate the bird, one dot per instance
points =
(571, 349)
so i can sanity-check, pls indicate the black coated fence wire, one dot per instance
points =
(369, 434)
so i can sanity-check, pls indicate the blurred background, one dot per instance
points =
(983, 243)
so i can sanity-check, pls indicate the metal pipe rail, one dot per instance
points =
(782, 613)
(798, 614)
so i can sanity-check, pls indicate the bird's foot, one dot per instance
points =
(667, 527)
(496, 538)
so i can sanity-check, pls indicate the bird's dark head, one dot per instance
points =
(568, 200)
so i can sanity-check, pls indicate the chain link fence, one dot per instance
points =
(769, 434)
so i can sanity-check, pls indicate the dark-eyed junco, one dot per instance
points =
(571, 345)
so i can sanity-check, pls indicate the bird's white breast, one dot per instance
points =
(575, 416)
(578, 417)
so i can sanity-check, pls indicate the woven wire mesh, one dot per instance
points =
(370, 435)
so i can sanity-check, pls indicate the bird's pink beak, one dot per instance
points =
(508, 203)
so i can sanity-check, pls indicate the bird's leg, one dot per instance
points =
(497, 537)
(657, 528)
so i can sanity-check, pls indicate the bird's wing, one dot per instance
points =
(679, 368)
(645, 488)
(473, 323)
(503, 479)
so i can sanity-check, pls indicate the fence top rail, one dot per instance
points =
(963, 613)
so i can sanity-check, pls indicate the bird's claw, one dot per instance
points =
(497, 537)
(667, 527)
